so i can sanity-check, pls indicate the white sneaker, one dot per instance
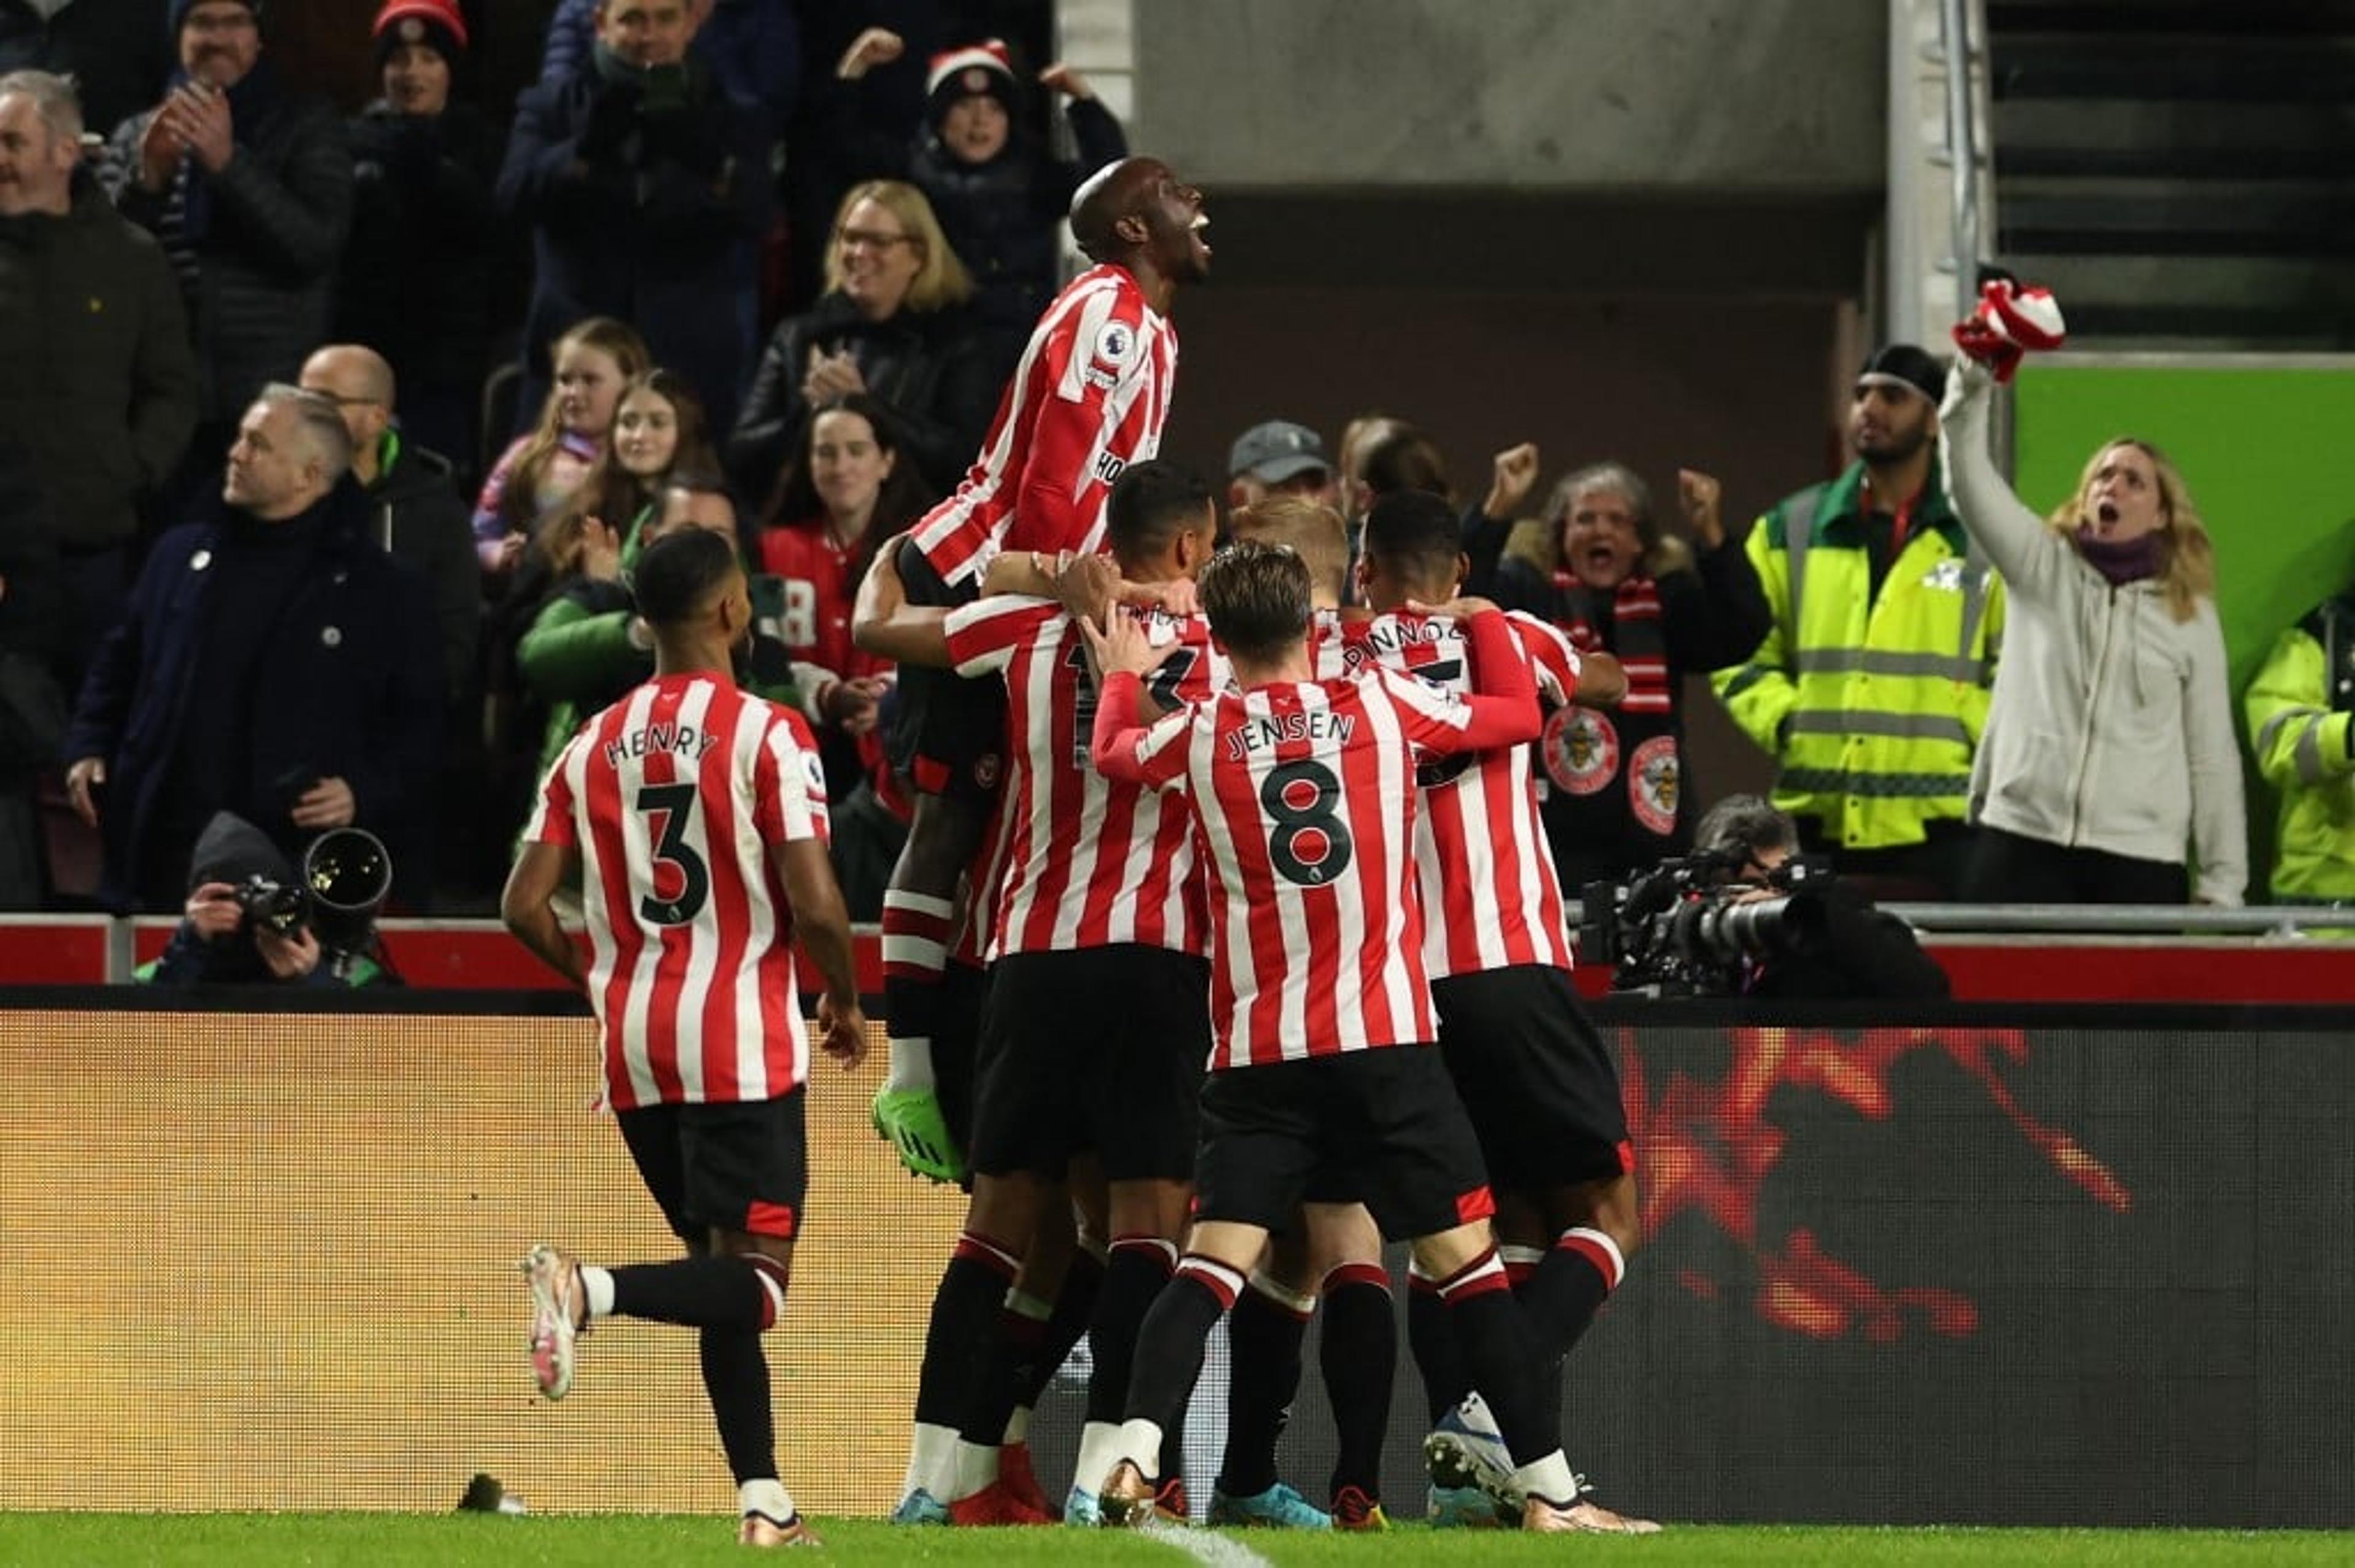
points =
(560, 1313)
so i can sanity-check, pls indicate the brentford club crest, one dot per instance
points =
(1581, 750)
(1654, 779)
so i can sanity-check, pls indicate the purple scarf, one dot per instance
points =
(2124, 561)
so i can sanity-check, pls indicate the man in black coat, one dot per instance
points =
(248, 186)
(98, 383)
(645, 186)
(274, 663)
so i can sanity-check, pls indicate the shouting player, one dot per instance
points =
(694, 816)
(1088, 399)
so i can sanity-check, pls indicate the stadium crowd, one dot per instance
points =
(1289, 773)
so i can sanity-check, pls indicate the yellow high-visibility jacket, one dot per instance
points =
(1873, 707)
(2299, 719)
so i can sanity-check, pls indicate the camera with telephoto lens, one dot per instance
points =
(1684, 929)
(346, 872)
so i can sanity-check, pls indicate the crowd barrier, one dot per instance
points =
(1986, 1264)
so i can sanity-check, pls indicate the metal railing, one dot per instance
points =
(2130, 920)
(1960, 22)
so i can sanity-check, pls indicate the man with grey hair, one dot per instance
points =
(98, 384)
(274, 662)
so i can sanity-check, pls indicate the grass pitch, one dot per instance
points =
(441, 1541)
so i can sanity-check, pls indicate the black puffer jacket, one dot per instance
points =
(924, 365)
(416, 515)
(98, 387)
(416, 283)
(275, 219)
(117, 51)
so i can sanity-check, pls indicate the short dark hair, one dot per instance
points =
(1747, 824)
(1257, 599)
(1405, 460)
(1413, 535)
(678, 573)
(1152, 503)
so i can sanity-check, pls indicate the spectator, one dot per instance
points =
(273, 663)
(1872, 687)
(414, 511)
(1612, 785)
(751, 47)
(847, 491)
(416, 283)
(2301, 711)
(1278, 457)
(588, 644)
(98, 384)
(2109, 751)
(249, 918)
(248, 186)
(658, 430)
(888, 325)
(644, 185)
(538, 473)
(1000, 195)
(109, 47)
(1358, 438)
(32, 701)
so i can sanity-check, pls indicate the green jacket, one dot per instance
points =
(1872, 706)
(2302, 729)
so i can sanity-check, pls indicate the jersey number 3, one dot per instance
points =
(1309, 844)
(678, 870)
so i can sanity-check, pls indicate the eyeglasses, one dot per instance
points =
(872, 238)
(236, 21)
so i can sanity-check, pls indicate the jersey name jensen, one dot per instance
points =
(1314, 725)
(684, 739)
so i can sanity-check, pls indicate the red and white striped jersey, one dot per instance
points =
(1303, 801)
(1088, 399)
(1089, 862)
(1488, 886)
(672, 796)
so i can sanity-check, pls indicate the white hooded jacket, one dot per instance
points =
(2111, 726)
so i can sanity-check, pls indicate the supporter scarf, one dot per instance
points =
(663, 88)
(2122, 561)
(1637, 638)
(253, 100)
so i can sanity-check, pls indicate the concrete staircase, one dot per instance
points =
(2181, 172)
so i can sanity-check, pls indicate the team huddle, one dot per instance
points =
(1227, 944)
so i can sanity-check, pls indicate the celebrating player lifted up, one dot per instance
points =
(1088, 399)
(1303, 798)
(698, 813)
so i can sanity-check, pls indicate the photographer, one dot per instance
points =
(1739, 916)
(249, 919)
(1849, 949)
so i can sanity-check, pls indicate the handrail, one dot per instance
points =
(1954, 35)
(2127, 919)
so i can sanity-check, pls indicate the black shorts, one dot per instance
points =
(734, 1165)
(1535, 1077)
(1389, 1116)
(956, 1041)
(949, 737)
(1103, 1049)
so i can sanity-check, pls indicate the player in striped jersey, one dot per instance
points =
(1088, 399)
(1097, 918)
(1302, 799)
(694, 816)
(1535, 1076)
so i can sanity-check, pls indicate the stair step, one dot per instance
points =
(2182, 68)
(2082, 279)
(2252, 218)
(2275, 18)
(2164, 328)
(2127, 123)
(2180, 164)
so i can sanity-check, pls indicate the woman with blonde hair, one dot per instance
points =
(2108, 765)
(892, 324)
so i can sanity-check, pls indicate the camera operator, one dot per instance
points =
(1852, 951)
(250, 920)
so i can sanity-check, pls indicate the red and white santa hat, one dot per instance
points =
(970, 70)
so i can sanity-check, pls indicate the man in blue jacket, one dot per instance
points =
(274, 663)
(644, 185)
